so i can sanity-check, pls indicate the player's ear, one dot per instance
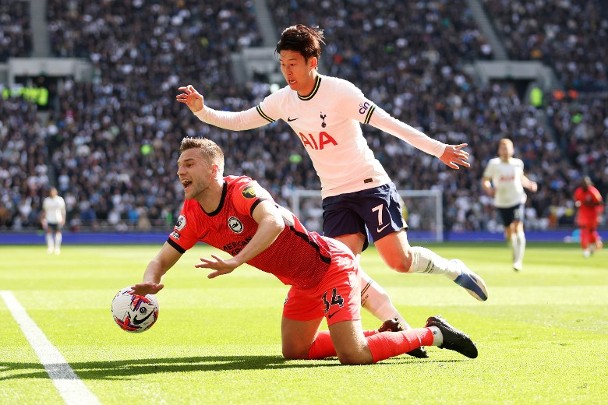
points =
(216, 170)
(313, 62)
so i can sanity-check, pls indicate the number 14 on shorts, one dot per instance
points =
(336, 299)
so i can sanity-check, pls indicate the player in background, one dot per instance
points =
(236, 215)
(504, 179)
(588, 200)
(53, 219)
(358, 196)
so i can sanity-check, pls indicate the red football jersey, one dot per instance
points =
(590, 200)
(297, 257)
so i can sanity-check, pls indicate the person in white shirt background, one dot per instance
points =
(504, 179)
(53, 219)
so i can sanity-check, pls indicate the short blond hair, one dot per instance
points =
(209, 149)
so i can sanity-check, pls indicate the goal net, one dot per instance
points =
(422, 209)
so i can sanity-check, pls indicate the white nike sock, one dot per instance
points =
(437, 336)
(58, 239)
(377, 301)
(49, 241)
(521, 246)
(427, 261)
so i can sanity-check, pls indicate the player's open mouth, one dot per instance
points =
(291, 81)
(186, 184)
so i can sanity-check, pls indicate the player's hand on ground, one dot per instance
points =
(147, 287)
(219, 265)
(192, 98)
(455, 156)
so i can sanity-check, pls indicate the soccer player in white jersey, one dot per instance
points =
(53, 219)
(504, 179)
(325, 113)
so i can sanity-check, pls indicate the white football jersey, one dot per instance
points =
(54, 207)
(506, 179)
(327, 122)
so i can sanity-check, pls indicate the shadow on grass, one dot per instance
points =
(130, 369)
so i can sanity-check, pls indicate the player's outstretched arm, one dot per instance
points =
(192, 98)
(455, 156)
(162, 262)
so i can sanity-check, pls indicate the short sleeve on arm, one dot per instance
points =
(185, 232)
(248, 194)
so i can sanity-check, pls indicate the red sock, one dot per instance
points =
(585, 236)
(322, 347)
(389, 344)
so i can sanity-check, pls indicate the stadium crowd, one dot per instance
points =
(109, 144)
(15, 29)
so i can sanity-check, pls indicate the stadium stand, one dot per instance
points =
(109, 144)
(15, 31)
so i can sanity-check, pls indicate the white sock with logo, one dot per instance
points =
(377, 301)
(427, 261)
(437, 336)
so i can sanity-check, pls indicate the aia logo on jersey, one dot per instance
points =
(317, 142)
(235, 224)
(363, 107)
(249, 192)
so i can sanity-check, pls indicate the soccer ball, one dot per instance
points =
(134, 313)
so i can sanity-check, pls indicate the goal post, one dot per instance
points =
(422, 209)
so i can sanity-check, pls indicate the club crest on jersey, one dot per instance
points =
(249, 192)
(181, 223)
(235, 224)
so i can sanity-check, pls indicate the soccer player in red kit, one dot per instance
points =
(236, 215)
(589, 202)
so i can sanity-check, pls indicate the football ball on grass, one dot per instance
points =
(134, 313)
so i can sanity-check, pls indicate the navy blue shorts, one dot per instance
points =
(53, 226)
(374, 212)
(510, 214)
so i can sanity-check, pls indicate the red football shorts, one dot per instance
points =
(588, 220)
(337, 297)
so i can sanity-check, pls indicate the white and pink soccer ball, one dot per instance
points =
(134, 313)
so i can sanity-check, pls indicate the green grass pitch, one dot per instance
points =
(542, 335)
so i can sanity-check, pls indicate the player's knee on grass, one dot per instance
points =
(354, 357)
(294, 353)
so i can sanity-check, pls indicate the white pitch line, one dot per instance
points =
(70, 387)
